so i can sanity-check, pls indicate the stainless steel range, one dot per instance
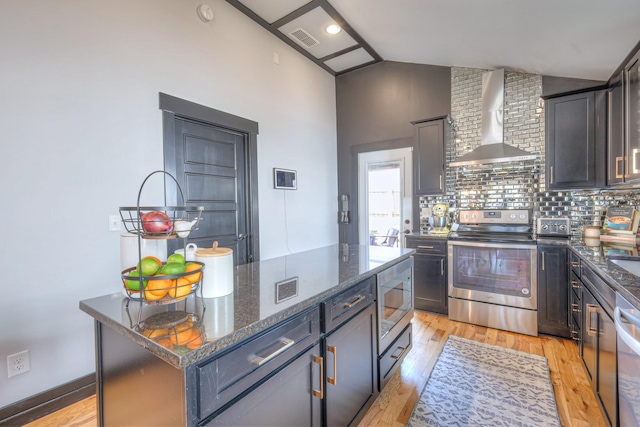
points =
(493, 270)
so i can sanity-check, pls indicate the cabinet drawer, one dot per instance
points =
(392, 358)
(427, 246)
(575, 308)
(604, 293)
(574, 263)
(221, 380)
(345, 305)
(576, 285)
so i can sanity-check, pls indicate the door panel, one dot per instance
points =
(210, 168)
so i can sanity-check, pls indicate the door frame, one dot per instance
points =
(349, 232)
(405, 162)
(173, 107)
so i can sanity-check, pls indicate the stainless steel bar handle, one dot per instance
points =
(575, 308)
(332, 349)
(425, 247)
(619, 166)
(440, 185)
(634, 157)
(354, 302)
(575, 336)
(442, 267)
(550, 174)
(285, 344)
(575, 264)
(623, 331)
(575, 284)
(395, 356)
(591, 310)
(543, 261)
(319, 393)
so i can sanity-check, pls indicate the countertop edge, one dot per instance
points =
(228, 341)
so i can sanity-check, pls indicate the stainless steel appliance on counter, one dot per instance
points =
(627, 321)
(493, 270)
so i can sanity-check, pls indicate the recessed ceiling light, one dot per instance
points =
(333, 29)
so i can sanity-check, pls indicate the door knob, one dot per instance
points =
(242, 236)
(407, 231)
(407, 221)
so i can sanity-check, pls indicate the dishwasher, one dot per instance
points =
(627, 321)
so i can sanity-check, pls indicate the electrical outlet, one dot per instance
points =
(114, 222)
(18, 363)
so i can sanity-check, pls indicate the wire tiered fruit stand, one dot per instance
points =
(169, 283)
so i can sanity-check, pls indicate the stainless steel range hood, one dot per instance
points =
(492, 149)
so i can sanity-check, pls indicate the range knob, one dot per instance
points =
(563, 227)
(545, 227)
(473, 216)
(465, 216)
(523, 216)
(512, 216)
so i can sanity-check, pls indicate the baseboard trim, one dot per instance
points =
(47, 402)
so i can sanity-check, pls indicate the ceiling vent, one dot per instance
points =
(304, 38)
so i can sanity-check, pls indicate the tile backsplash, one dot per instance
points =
(517, 185)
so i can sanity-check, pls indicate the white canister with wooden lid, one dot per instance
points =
(217, 280)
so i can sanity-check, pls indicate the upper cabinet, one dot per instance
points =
(576, 140)
(429, 147)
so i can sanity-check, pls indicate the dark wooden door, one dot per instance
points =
(430, 283)
(428, 157)
(576, 141)
(616, 139)
(633, 120)
(553, 291)
(350, 360)
(209, 164)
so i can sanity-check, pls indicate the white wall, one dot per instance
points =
(80, 128)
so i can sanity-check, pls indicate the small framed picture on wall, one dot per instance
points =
(284, 179)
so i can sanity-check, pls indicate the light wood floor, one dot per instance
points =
(577, 404)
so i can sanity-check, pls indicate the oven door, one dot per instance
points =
(495, 273)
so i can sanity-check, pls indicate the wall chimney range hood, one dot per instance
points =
(492, 148)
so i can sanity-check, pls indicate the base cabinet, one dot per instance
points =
(430, 274)
(553, 292)
(286, 399)
(351, 369)
(598, 341)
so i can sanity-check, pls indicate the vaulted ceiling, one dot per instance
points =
(568, 38)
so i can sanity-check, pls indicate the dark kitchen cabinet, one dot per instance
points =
(553, 292)
(430, 274)
(575, 129)
(351, 369)
(623, 137)
(429, 149)
(289, 398)
(575, 308)
(599, 341)
(616, 132)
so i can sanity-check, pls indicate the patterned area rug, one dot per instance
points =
(477, 384)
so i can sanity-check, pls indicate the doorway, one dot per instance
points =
(212, 155)
(385, 189)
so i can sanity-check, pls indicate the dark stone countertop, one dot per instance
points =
(252, 307)
(598, 258)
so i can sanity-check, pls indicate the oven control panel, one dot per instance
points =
(495, 216)
(558, 226)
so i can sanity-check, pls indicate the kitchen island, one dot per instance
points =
(144, 381)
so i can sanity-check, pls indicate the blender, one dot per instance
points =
(440, 219)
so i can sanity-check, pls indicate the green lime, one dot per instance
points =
(178, 258)
(173, 268)
(134, 284)
(148, 266)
